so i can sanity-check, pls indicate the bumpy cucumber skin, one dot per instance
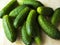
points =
(26, 39)
(56, 17)
(30, 22)
(17, 10)
(6, 10)
(9, 30)
(21, 17)
(47, 11)
(31, 3)
(48, 28)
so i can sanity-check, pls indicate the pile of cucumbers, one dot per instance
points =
(31, 16)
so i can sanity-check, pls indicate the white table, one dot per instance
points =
(46, 40)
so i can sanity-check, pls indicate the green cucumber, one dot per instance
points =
(30, 22)
(16, 11)
(26, 39)
(21, 17)
(45, 11)
(32, 27)
(37, 40)
(30, 3)
(37, 32)
(48, 28)
(56, 17)
(6, 10)
(9, 30)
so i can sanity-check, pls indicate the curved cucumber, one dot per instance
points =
(45, 11)
(26, 39)
(17, 10)
(56, 17)
(30, 22)
(48, 28)
(9, 30)
(30, 3)
(6, 10)
(21, 17)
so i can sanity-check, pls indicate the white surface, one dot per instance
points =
(46, 40)
(51, 3)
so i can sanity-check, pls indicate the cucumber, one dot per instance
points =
(21, 17)
(30, 3)
(16, 11)
(37, 32)
(32, 27)
(26, 39)
(37, 40)
(9, 30)
(6, 10)
(30, 22)
(56, 17)
(48, 28)
(46, 11)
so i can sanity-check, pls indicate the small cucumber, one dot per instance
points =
(9, 30)
(26, 39)
(32, 27)
(30, 3)
(17, 10)
(6, 10)
(45, 11)
(48, 28)
(30, 22)
(21, 17)
(56, 17)
(37, 32)
(37, 40)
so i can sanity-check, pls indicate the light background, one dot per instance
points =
(46, 40)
